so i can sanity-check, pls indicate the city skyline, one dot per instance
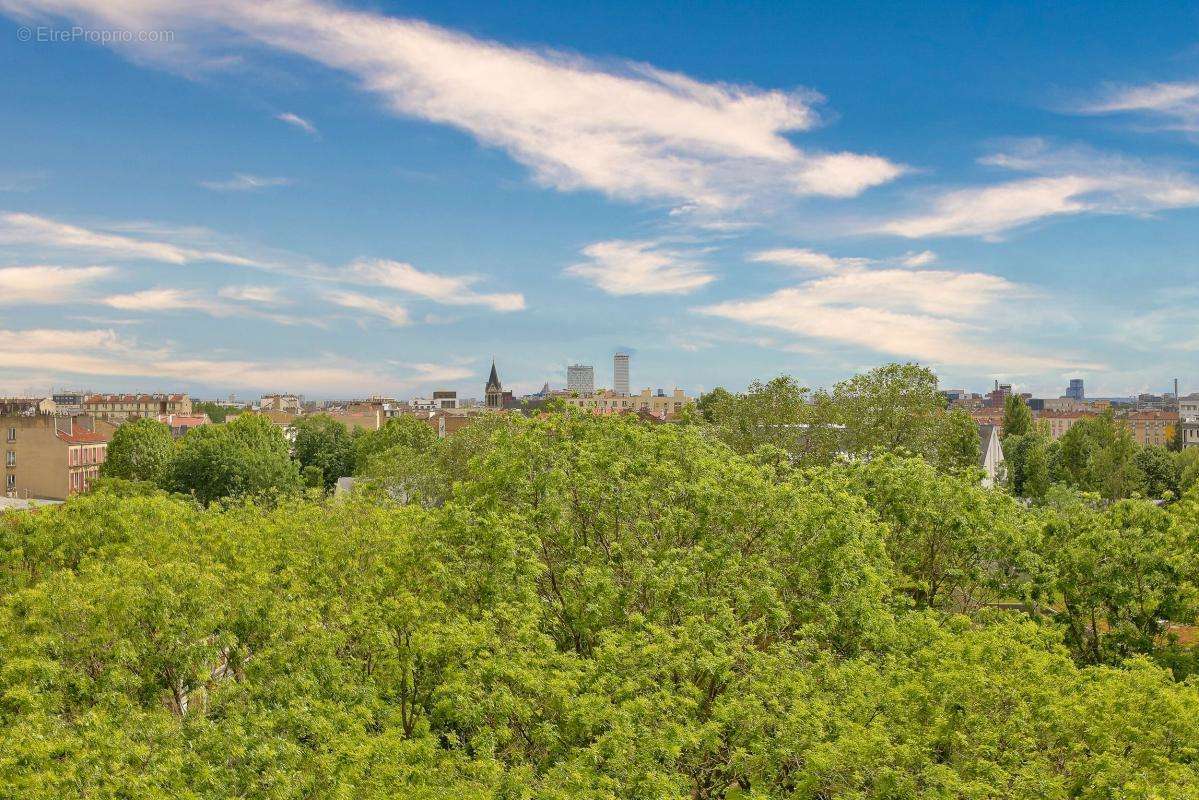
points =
(224, 202)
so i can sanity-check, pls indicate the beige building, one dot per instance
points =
(1059, 422)
(287, 403)
(1151, 427)
(121, 407)
(661, 405)
(51, 457)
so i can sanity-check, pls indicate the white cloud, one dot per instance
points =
(446, 289)
(639, 267)
(225, 304)
(921, 259)
(803, 258)
(30, 229)
(166, 300)
(242, 182)
(1069, 181)
(629, 130)
(937, 316)
(1176, 103)
(266, 295)
(68, 356)
(42, 284)
(395, 314)
(297, 121)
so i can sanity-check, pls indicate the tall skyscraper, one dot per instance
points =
(620, 373)
(580, 378)
(1075, 390)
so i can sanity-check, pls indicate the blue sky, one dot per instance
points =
(348, 198)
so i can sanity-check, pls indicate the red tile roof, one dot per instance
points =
(81, 437)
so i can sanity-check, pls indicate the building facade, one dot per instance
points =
(121, 407)
(580, 378)
(620, 373)
(287, 403)
(51, 457)
(1075, 390)
(1152, 428)
(1059, 422)
(659, 404)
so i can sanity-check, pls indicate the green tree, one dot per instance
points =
(1120, 575)
(1017, 416)
(1098, 454)
(326, 444)
(215, 411)
(891, 408)
(140, 450)
(1159, 471)
(1187, 466)
(248, 456)
(399, 437)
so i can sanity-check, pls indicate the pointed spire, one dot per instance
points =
(493, 381)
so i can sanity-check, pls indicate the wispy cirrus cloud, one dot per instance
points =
(623, 267)
(803, 258)
(1064, 182)
(230, 301)
(394, 313)
(1174, 105)
(243, 182)
(453, 290)
(933, 315)
(67, 355)
(45, 284)
(629, 130)
(266, 295)
(52, 235)
(296, 121)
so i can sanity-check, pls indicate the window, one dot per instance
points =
(12, 434)
(10, 459)
(12, 481)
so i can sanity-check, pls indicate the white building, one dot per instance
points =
(1188, 419)
(620, 373)
(580, 378)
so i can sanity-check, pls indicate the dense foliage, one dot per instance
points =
(603, 608)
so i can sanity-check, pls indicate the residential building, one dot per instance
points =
(287, 403)
(26, 406)
(180, 424)
(445, 398)
(121, 407)
(1188, 416)
(998, 396)
(660, 404)
(1061, 421)
(990, 453)
(992, 417)
(51, 457)
(68, 403)
(1075, 390)
(620, 373)
(580, 378)
(1151, 427)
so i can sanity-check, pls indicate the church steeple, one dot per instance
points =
(494, 390)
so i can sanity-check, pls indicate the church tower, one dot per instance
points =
(494, 390)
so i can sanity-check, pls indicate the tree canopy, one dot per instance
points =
(140, 450)
(574, 606)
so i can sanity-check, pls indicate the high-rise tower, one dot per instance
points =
(620, 373)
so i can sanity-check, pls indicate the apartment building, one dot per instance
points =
(659, 404)
(1061, 421)
(51, 457)
(1188, 416)
(121, 407)
(287, 403)
(1151, 427)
